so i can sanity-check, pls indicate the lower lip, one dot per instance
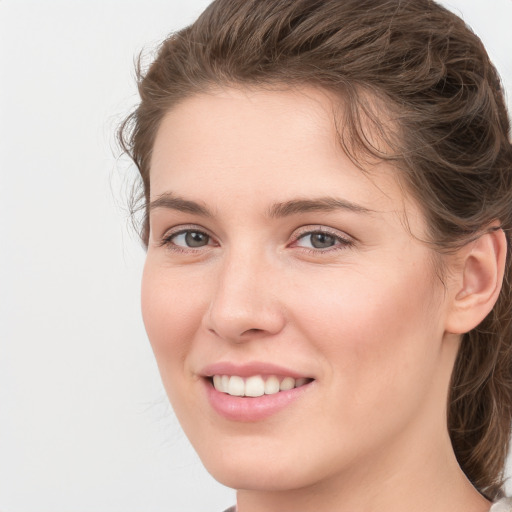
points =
(251, 409)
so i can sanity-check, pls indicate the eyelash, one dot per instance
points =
(340, 242)
(167, 240)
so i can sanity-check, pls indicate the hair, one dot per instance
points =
(419, 66)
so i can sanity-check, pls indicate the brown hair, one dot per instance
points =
(435, 80)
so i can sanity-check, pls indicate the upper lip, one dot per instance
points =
(249, 369)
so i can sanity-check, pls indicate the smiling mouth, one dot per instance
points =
(256, 385)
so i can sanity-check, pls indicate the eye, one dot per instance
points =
(321, 240)
(187, 239)
(191, 239)
(317, 240)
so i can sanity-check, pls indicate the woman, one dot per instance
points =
(327, 188)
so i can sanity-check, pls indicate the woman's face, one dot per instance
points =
(274, 261)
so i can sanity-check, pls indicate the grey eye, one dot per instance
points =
(196, 239)
(191, 239)
(321, 240)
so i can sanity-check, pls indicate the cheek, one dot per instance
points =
(379, 332)
(369, 305)
(172, 314)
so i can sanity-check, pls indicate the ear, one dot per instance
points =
(477, 281)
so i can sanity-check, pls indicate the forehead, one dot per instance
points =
(266, 145)
(249, 126)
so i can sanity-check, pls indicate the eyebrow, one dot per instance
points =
(173, 202)
(321, 204)
(284, 209)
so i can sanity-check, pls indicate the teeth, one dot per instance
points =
(256, 385)
(217, 382)
(286, 384)
(236, 386)
(300, 382)
(272, 386)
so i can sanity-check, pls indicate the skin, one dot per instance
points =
(367, 317)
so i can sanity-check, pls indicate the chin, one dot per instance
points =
(257, 476)
(262, 463)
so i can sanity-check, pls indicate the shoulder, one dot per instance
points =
(233, 509)
(503, 505)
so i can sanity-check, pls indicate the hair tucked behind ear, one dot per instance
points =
(419, 66)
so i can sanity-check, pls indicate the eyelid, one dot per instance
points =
(345, 239)
(166, 238)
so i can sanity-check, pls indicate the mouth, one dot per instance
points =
(254, 391)
(256, 385)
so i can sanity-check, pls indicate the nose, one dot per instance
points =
(245, 300)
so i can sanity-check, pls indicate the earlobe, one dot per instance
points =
(478, 281)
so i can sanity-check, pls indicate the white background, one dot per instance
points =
(84, 422)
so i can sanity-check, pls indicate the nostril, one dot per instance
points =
(252, 331)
